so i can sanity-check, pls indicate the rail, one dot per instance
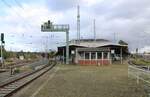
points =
(141, 75)
(13, 86)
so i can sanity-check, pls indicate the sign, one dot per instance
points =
(72, 52)
(112, 51)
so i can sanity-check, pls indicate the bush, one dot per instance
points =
(141, 62)
(16, 70)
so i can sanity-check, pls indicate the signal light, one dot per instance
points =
(2, 37)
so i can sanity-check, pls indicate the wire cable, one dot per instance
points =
(19, 4)
(18, 14)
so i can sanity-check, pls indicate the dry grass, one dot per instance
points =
(92, 81)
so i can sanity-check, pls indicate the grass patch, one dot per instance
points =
(141, 62)
(91, 81)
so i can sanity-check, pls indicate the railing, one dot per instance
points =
(139, 72)
(141, 75)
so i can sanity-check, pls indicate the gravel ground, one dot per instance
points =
(4, 76)
(28, 67)
(31, 89)
(84, 81)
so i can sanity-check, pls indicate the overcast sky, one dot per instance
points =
(127, 20)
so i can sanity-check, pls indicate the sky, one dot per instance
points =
(128, 20)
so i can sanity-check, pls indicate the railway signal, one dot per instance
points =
(50, 27)
(2, 37)
(2, 42)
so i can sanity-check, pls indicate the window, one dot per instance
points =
(87, 56)
(81, 55)
(99, 55)
(93, 55)
(105, 55)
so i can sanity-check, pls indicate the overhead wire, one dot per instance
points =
(18, 14)
(26, 24)
(19, 4)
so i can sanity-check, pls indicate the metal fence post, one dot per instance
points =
(67, 47)
(128, 71)
(137, 78)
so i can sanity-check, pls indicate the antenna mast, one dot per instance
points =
(78, 24)
(94, 30)
(114, 37)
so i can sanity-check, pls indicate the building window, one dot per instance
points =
(99, 55)
(87, 55)
(93, 55)
(81, 55)
(105, 55)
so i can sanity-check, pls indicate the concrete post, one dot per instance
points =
(89, 55)
(96, 59)
(67, 47)
(84, 57)
(96, 55)
(137, 79)
(63, 56)
(121, 55)
(109, 57)
(102, 57)
(76, 54)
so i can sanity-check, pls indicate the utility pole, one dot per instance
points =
(94, 29)
(67, 47)
(46, 47)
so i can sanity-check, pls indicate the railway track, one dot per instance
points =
(10, 88)
(140, 67)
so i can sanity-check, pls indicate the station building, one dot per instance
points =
(93, 52)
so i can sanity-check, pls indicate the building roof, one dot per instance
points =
(89, 40)
(96, 44)
(91, 43)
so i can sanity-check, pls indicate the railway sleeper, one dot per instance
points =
(5, 92)
(2, 95)
(7, 89)
(10, 87)
(18, 83)
(13, 85)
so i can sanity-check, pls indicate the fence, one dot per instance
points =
(141, 74)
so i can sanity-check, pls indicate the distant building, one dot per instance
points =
(91, 52)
